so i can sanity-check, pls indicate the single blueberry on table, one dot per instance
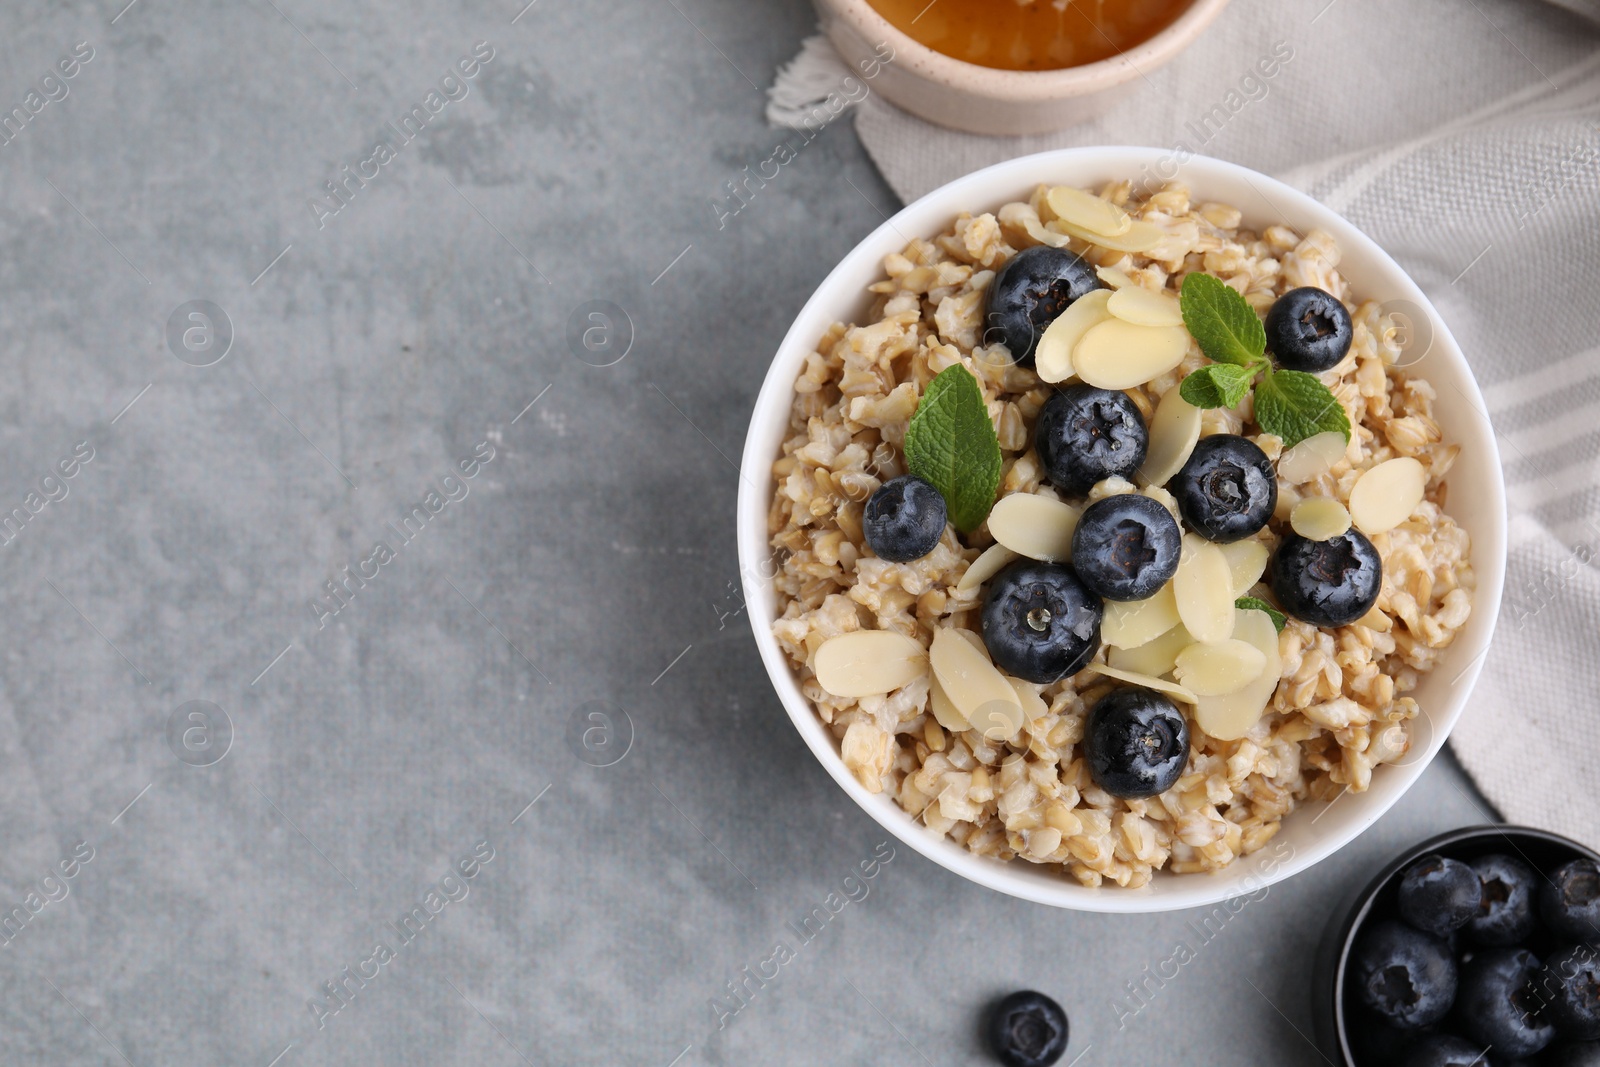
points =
(1445, 1050)
(1308, 329)
(1406, 976)
(1570, 989)
(1040, 623)
(1126, 547)
(1505, 916)
(904, 519)
(1438, 895)
(1086, 434)
(1228, 488)
(1499, 1004)
(1136, 743)
(1028, 1029)
(1029, 293)
(1569, 903)
(1327, 583)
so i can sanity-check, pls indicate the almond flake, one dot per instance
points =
(1247, 562)
(1214, 670)
(1145, 307)
(1230, 716)
(1052, 358)
(977, 691)
(1132, 623)
(1174, 431)
(992, 561)
(866, 663)
(1088, 211)
(1204, 590)
(1319, 518)
(1160, 685)
(1154, 658)
(1312, 458)
(1113, 277)
(1386, 495)
(1034, 526)
(944, 712)
(1120, 355)
(1139, 237)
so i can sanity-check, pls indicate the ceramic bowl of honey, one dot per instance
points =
(1010, 66)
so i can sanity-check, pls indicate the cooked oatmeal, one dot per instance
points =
(1341, 708)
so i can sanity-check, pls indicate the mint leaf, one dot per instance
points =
(1217, 385)
(951, 445)
(1222, 321)
(1296, 405)
(1250, 603)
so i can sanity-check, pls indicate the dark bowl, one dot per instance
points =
(1540, 849)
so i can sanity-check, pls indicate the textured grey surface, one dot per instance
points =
(594, 550)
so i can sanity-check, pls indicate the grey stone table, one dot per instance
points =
(322, 542)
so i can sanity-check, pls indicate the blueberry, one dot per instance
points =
(1228, 489)
(1126, 547)
(1405, 976)
(1327, 583)
(1505, 916)
(1135, 742)
(1445, 1050)
(1569, 903)
(1438, 895)
(1039, 622)
(1571, 987)
(1029, 293)
(1582, 1054)
(1028, 1029)
(1499, 1004)
(1085, 434)
(1308, 329)
(904, 519)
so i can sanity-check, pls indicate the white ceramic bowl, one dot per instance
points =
(1477, 500)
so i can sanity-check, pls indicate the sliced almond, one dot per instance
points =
(971, 682)
(1113, 277)
(1247, 562)
(1088, 211)
(944, 712)
(1120, 355)
(1034, 526)
(1145, 307)
(988, 564)
(866, 663)
(1174, 431)
(1132, 623)
(1204, 590)
(1140, 236)
(1312, 458)
(1033, 705)
(1386, 495)
(998, 721)
(1160, 685)
(1225, 667)
(1154, 658)
(1052, 359)
(1230, 716)
(1319, 518)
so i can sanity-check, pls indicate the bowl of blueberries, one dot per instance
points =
(1477, 948)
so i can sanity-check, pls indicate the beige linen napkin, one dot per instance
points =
(1465, 138)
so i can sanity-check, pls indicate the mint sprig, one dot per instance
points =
(1250, 603)
(951, 445)
(1291, 404)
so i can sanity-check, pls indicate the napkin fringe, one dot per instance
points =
(805, 83)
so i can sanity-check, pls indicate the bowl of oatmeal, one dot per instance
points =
(1043, 391)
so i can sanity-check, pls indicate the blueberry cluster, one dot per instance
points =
(1488, 963)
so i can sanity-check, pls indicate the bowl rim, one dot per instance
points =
(1032, 85)
(978, 190)
(1349, 919)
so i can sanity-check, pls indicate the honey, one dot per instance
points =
(1030, 34)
